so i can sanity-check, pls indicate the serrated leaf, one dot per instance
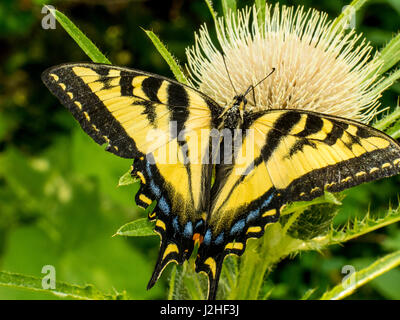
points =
(214, 14)
(210, 6)
(388, 120)
(62, 289)
(366, 225)
(389, 81)
(168, 57)
(186, 283)
(390, 54)
(353, 230)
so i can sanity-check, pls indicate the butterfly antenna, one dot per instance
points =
(226, 68)
(253, 87)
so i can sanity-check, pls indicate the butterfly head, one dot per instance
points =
(240, 102)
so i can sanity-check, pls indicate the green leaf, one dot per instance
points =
(388, 120)
(127, 179)
(301, 205)
(388, 284)
(354, 229)
(390, 54)
(84, 42)
(390, 123)
(168, 57)
(308, 294)
(394, 131)
(62, 289)
(364, 276)
(389, 80)
(213, 14)
(139, 228)
(212, 11)
(227, 6)
(186, 284)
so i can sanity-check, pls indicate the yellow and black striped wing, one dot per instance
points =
(313, 152)
(160, 123)
(285, 156)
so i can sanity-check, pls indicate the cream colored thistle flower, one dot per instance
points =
(317, 67)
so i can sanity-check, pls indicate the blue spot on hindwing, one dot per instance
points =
(188, 231)
(207, 238)
(148, 169)
(164, 206)
(220, 239)
(267, 201)
(155, 189)
(238, 227)
(253, 215)
(175, 224)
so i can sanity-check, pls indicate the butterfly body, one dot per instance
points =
(180, 139)
(232, 116)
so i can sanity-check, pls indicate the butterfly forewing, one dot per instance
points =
(159, 123)
(341, 154)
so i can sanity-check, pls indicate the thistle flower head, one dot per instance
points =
(317, 66)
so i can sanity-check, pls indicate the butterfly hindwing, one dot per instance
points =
(243, 201)
(161, 124)
(296, 155)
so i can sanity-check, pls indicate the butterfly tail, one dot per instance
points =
(212, 267)
(213, 283)
(169, 252)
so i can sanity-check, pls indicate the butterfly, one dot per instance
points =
(219, 175)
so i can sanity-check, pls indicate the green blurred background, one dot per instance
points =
(59, 200)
